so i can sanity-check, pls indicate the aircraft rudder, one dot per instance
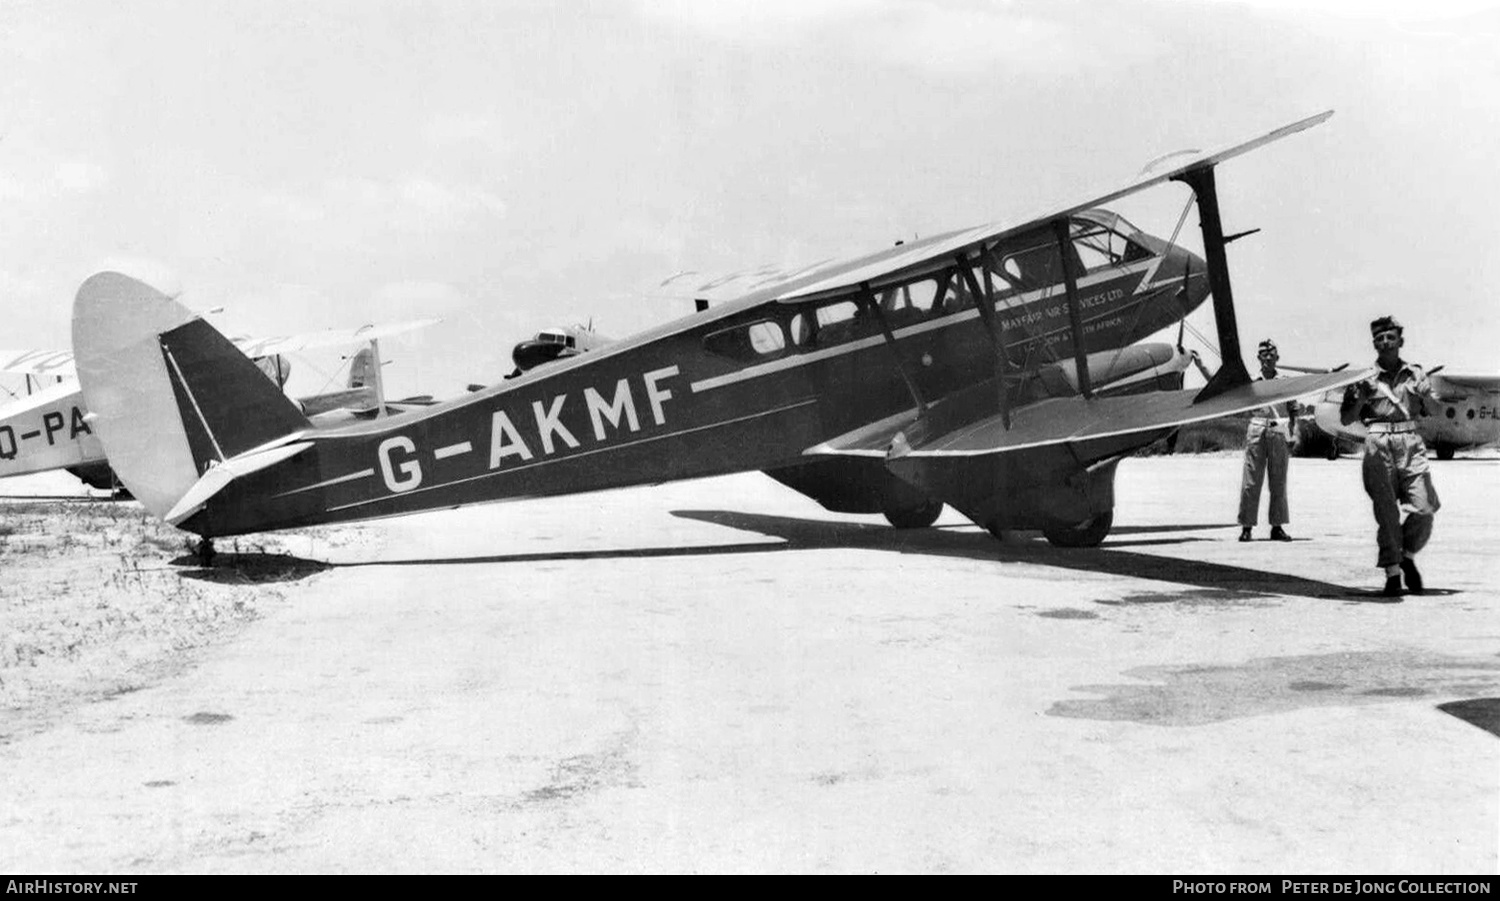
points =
(169, 396)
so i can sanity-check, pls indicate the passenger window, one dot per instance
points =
(766, 338)
(902, 306)
(843, 321)
(801, 329)
(835, 313)
(1035, 267)
(747, 342)
(921, 295)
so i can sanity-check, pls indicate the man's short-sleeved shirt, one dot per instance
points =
(1393, 396)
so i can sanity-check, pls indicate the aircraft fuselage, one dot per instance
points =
(744, 387)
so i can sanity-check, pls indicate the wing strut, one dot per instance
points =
(1232, 371)
(867, 298)
(985, 301)
(1075, 317)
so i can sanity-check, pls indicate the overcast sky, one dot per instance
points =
(509, 166)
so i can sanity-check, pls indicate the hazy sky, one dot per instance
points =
(509, 166)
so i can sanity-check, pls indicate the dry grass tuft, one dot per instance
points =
(98, 597)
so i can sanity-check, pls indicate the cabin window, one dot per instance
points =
(766, 337)
(956, 294)
(842, 322)
(1035, 267)
(754, 341)
(920, 295)
(836, 313)
(801, 329)
(906, 304)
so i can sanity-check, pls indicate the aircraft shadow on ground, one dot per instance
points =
(973, 544)
(965, 542)
(1481, 712)
(251, 568)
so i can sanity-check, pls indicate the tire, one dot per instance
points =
(919, 517)
(1333, 451)
(1086, 534)
(1445, 451)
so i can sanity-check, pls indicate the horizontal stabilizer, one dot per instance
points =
(218, 477)
(353, 398)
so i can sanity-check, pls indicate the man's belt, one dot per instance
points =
(1393, 428)
(1266, 420)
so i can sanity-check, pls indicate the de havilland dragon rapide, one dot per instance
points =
(994, 369)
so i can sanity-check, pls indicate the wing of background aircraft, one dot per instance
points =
(38, 363)
(59, 363)
(1449, 385)
(50, 428)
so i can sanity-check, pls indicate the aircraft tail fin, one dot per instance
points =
(169, 396)
(361, 369)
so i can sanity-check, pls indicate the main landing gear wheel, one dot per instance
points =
(1445, 451)
(919, 517)
(204, 551)
(1086, 534)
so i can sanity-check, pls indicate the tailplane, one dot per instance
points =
(169, 396)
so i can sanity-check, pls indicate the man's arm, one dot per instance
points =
(1354, 401)
(1421, 390)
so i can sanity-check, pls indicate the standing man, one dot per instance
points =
(1395, 463)
(1268, 444)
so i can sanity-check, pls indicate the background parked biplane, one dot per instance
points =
(49, 427)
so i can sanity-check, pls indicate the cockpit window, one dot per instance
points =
(1105, 243)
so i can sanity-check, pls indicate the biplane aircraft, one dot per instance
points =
(50, 428)
(970, 368)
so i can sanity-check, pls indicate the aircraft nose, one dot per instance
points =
(533, 353)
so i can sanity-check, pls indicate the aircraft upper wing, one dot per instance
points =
(38, 362)
(60, 362)
(264, 347)
(1063, 420)
(917, 257)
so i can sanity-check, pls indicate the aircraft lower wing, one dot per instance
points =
(1053, 466)
(1069, 419)
(1064, 420)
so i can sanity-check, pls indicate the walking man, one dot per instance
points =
(1395, 462)
(1268, 444)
